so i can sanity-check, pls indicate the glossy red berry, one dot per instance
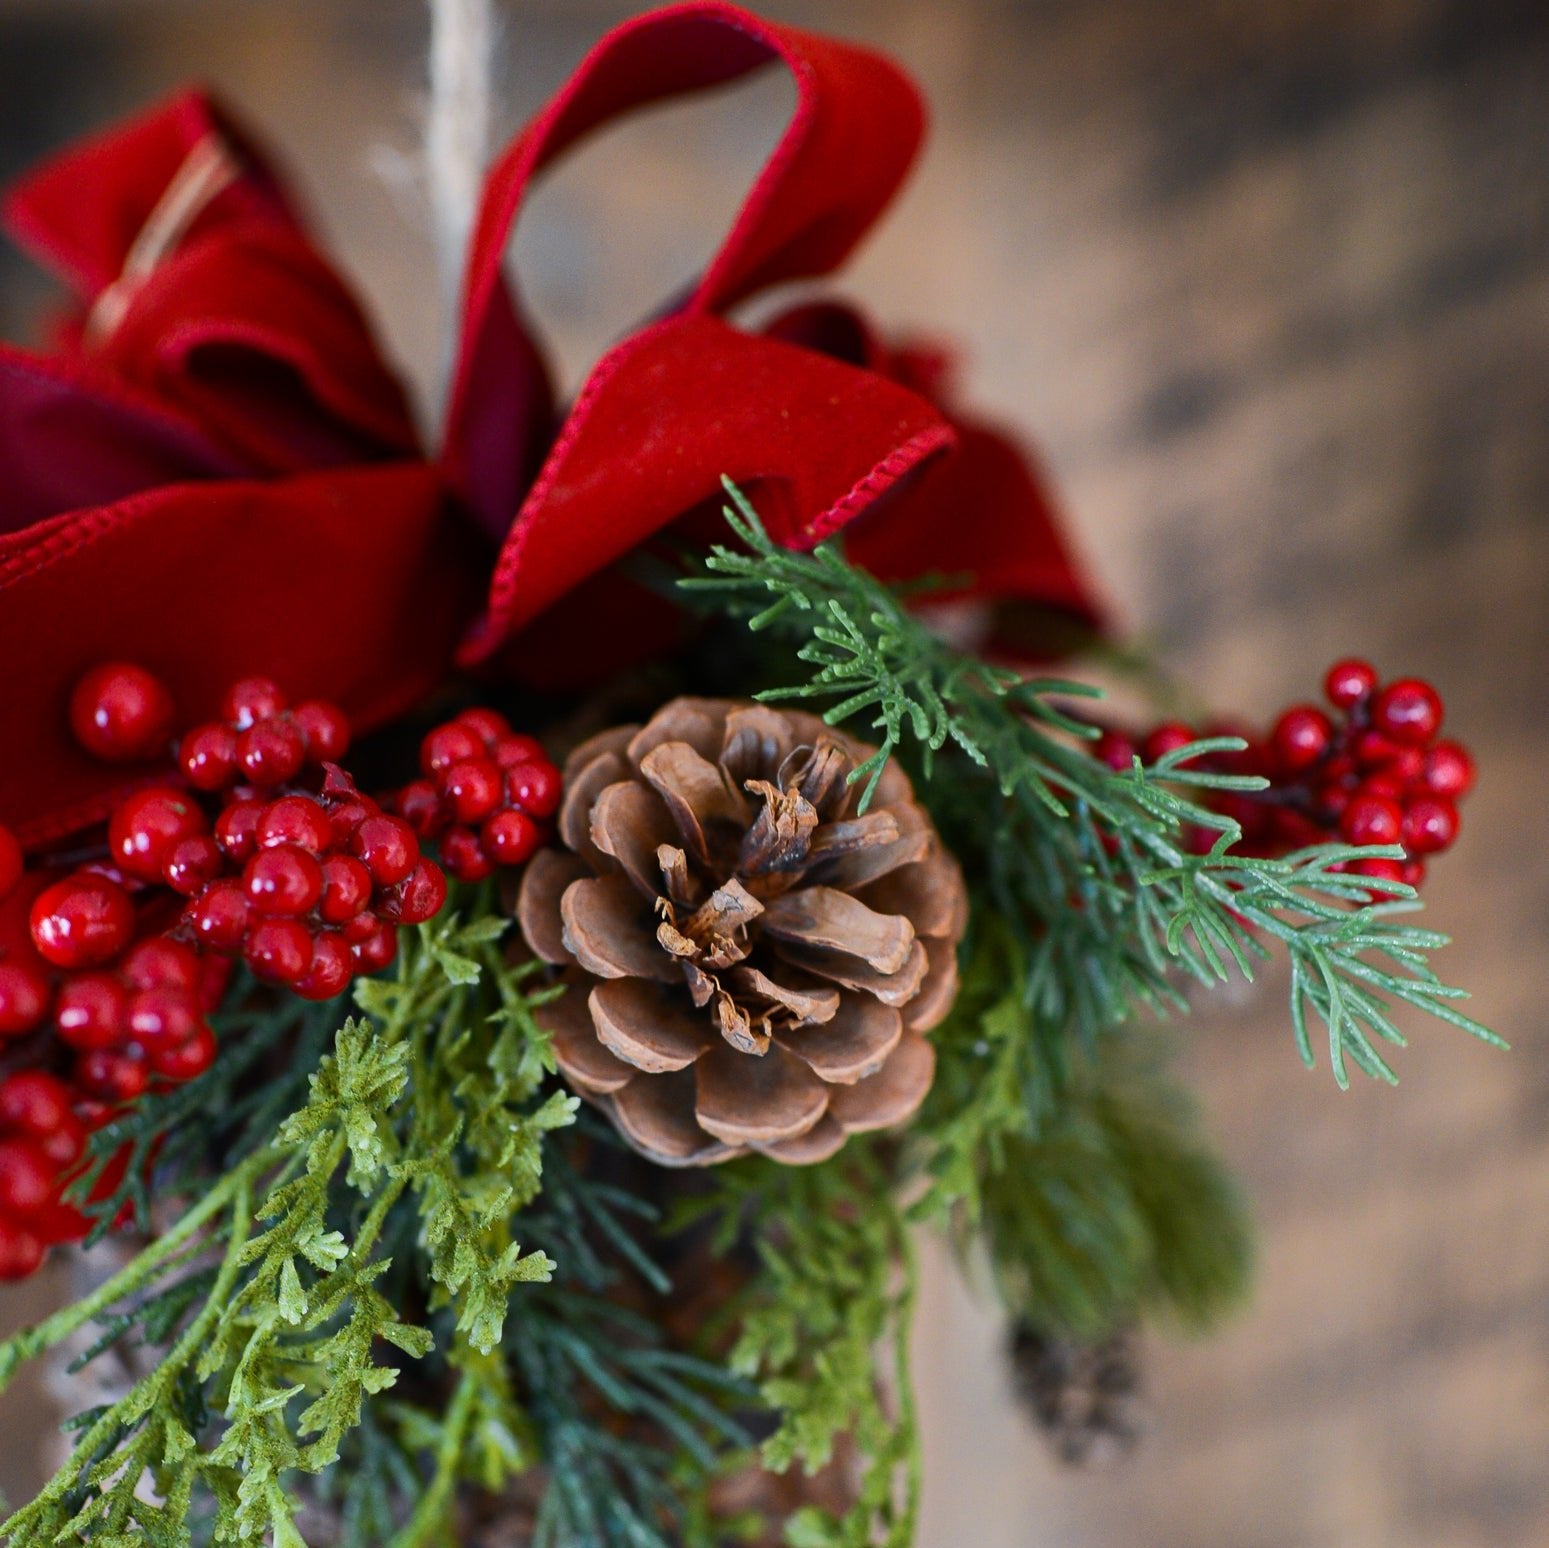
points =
(1369, 819)
(271, 752)
(191, 864)
(1116, 750)
(361, 928)
(23, 998)
(121, 713)
(208, 756)
(219, 916)
(162, 1017)
(326, 729)
(347, 815)
(387, 847)
(11, 862)
(89, 1011)
(285, 881)
(236, 829)
(116, 1077)
(536, 788)
(1408, 711)
(377, 950)
(419, 804)
(463, 855)
(1380, 869)
(1300, 738)
(250, 700)
(449, 744)
(1413, 873)
(26, 1177)
(1448, 771)
(516, 748)
(471, 789)
(159, 963)
(1349, 682)
(421, 895)
(486, 724)
(1430, 825)
(147, 825)
(64, 1145)
(82, 921)
(1166, 738)
(346, 888)
(183, 1061)
(21, 1250)
(510, 838)
(331, 969)
(35, 1102)
(279, 951)
(298, 820)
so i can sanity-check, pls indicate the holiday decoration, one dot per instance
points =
(503, 943)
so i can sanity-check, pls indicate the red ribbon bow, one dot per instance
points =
(215, 473)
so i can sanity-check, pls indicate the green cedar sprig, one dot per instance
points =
(280, 1345)
(1090, 864)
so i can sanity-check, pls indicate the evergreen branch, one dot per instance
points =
(1093, 865)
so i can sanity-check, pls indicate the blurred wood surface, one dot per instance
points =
(1269, 285)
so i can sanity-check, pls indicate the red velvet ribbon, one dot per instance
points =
(215, 473)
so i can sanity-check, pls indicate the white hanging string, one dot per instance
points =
(457, 128)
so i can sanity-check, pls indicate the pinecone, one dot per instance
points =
(751, 965)
(1085, 1397)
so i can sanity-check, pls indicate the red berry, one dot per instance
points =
(158, 963)
(1369, 819)
(514, 749)
(463, 855)
(419, 805)
(1349, 682)
(535, 788)
(388, 848)
(377, 950)
(1384, 786)
(90, 1010)
(1408, 711)
(23, 998)
(295, 819)
(326, 729)
(121, 713)
(183, 1061)
(486, 724)
(208, 756)
(361, 928)
(236, 829)
(1300, 738)
(21, 1252)
(346, 888)
(219, 916)
(279, 951)
(284, 881)
(472, 789)
(26, 1178)
(1166, 738)
(447, 745)
(163, 1017)
(332, 968)
(510, 838)
(64, 1144)
(1116, 750)
(1449, 771)
(82, 921)
(421, 896)
(1413, 874)
(348, 815)
(250, 700)
(147, 825)
(271, 752)
(113, 1076)
(192, 863)
(35, 1102)
(11, 862)
(1430, 825)
(1383, 870)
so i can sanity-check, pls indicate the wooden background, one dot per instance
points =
(1270, 285)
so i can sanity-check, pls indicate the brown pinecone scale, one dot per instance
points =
(751, 964)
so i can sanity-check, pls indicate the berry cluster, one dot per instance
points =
(485, 797)
(42, 1141)
(1370, 769)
